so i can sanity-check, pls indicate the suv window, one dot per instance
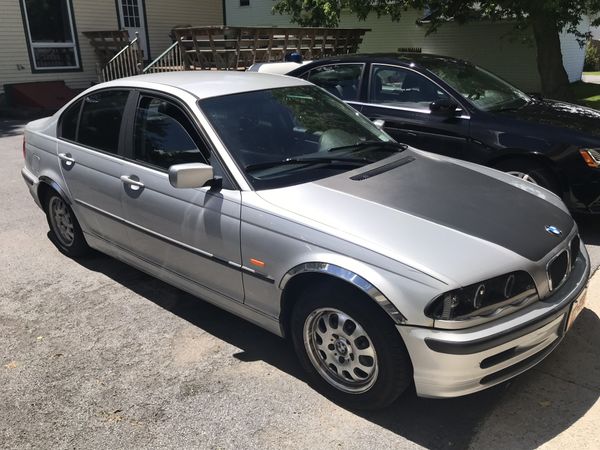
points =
(100, 122)
(401, 87)
(342, 80)
(164, 135)
(68, 122)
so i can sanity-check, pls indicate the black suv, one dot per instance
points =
(457, 109)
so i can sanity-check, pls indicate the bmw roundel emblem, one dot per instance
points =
(553, 230)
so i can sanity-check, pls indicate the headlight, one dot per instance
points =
(591, 157)
(483, 299)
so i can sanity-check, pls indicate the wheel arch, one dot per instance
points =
(525, 155)
(46, 184)
(320, 272)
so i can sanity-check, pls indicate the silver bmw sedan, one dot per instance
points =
(272, 199)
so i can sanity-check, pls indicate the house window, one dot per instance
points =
(244, 2)
(131, 13)
(50, 34)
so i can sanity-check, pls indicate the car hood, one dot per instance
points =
(559, 114)
(439, 217)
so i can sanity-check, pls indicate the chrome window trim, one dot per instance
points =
(350, 277)
(401, 108)
(465, 115)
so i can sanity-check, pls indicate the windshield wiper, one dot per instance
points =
(385, 145)
(309, 161)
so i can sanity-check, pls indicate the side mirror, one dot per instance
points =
(444, 107)
(191, 175)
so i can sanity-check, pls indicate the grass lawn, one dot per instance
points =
(591, 73)
(587, 94)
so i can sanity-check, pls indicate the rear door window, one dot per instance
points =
(341, 80)
(101, 118)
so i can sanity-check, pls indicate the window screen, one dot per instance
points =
(101, 120)
(50, 34)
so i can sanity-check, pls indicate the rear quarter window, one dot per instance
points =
(68, 122)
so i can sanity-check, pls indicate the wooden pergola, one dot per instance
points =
(237, 48)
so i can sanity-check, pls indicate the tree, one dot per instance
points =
(545, 18)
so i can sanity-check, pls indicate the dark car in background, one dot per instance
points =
(455, 108)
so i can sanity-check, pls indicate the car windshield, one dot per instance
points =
(285, 136)
(482, 88)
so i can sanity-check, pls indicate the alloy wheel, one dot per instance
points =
(61, 220)
(340, 350)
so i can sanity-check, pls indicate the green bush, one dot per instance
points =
(592, 58)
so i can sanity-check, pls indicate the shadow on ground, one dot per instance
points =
(589, 228)
(10, 127)
(430, 423)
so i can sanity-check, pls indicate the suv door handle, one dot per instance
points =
(67, 158)
(135, 184)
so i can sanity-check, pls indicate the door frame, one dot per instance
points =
(143, 21)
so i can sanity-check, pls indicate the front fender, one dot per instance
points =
(350, 277)
(402, 298)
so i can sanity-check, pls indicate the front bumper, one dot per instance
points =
(451, 363)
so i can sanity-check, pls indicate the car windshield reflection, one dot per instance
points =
(292, 135)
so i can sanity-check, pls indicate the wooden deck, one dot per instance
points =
(237, 48)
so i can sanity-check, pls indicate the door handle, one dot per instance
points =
(134, 184)
(67, 158)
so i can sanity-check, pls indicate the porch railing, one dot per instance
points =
(127, 62)
(168, 61)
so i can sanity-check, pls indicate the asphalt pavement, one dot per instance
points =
(95, 354)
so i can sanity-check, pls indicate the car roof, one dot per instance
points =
(403, 59)
(205, 84)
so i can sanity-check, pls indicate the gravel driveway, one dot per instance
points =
(95, 354)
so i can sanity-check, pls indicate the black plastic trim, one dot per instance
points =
(180, 245)
(382, 169)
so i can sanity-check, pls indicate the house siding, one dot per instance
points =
(494, 46)
(164, 15)
(89, 15)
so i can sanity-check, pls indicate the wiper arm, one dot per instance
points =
(310, 161)
(385, 145)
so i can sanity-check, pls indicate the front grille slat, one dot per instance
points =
(575, 244)
(558, 269)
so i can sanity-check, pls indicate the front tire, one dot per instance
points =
(532, 172)
(349, 348)
(65, 231)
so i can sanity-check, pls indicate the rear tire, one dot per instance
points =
(532, 172)
(349, 347)
(65, 231)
